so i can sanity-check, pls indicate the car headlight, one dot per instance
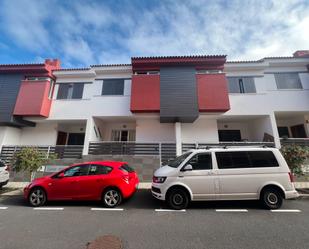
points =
(159, 179)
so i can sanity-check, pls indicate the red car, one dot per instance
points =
(107, 181)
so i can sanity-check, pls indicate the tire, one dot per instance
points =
(111, 198)
(37, 197)
(178, 199)
(271, 198)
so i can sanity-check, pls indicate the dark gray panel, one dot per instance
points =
(113, 87)
(178, 95)
(9, 88)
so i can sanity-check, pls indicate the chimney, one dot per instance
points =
(53, 63)
(301, 53)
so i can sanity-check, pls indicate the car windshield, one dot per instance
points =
(178, 160)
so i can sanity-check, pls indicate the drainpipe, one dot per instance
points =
(178, 138)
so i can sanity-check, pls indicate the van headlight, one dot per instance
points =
(159, 179)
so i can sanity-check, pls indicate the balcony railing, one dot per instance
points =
(297, 141)
(60, 151)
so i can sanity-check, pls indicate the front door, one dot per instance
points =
(298, 131)
(69, 186)
(202, 179)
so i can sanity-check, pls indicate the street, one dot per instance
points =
(143, 222)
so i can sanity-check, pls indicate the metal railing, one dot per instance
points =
(165, 151)
(296, 141)
(60, 151)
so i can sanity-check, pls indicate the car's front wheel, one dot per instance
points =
(178, 199)
(271, 198)
(37, 197)
(112, 198)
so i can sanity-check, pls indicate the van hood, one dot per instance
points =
(165, 171)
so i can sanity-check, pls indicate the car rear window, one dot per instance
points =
(246, 159)
(127, 168)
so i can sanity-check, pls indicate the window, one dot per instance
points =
(70, 91)
(51, 89)
(113, 87)
(246, 159)
(288, 81)
(241, 85)
(178, 160)
(201, 162)
(2, 164)
(127, 168)
(99, 170)
(283, 131)
(229, 135)
(123, 135)
(38, 78)
(80, 170)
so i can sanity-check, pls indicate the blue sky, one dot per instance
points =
(82, 33)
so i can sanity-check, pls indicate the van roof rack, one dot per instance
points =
(207, 147)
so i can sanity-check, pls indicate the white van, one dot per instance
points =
(225, 174)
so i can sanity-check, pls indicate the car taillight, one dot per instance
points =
(291, 177)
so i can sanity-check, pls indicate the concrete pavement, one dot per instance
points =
(143, 222)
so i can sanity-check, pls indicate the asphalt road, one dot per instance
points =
(143, 222)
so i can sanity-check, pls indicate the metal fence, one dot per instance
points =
(166, 151)
(296, 141)
(60, 151)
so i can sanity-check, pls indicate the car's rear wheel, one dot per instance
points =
(112, 198)
(37, 197)
(271, 198)
(178, 199)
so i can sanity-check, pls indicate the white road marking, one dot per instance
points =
(285, 211)
(107, 209)
(232, 210)
(48, 208)
(2, 208)
(170, 210)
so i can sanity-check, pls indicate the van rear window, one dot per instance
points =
(246, 159)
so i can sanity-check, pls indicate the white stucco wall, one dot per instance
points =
(9, 135)
(203, 130)
(151, 130)
(41, 134)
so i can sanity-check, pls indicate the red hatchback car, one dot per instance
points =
(104, 180)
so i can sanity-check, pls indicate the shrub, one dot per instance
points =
(295, 156)
(29, 159)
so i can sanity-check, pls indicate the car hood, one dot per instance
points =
(165, 171)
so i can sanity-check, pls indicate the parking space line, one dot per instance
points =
(106, 209)
(232, 210)
(48, 208)
(3, 208)
(285, 211)
(170, 210)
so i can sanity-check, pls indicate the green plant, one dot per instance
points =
(295, 156)
(29, 159)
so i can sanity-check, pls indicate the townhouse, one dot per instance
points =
(155, 105)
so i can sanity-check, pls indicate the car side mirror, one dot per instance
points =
(188, 167)
(60, 175)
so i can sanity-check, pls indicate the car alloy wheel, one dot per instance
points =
(112, 198)
(37, 197)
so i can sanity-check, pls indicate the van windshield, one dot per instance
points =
(178, 160)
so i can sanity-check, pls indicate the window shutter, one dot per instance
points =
(63, 91)
(113, 87)
(288, 81)
(249, 85)
(233, 85)
(78, 89)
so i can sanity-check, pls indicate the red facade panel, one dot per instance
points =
(212, 93)
(145, 93)
(32, 99)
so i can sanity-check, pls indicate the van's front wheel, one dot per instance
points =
(178, 199)
(271, 198)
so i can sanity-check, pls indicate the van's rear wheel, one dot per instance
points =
(271, 198)
(178, 199)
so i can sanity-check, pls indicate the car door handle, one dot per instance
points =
(181, 176)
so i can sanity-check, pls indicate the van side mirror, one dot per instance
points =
(188, 167)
